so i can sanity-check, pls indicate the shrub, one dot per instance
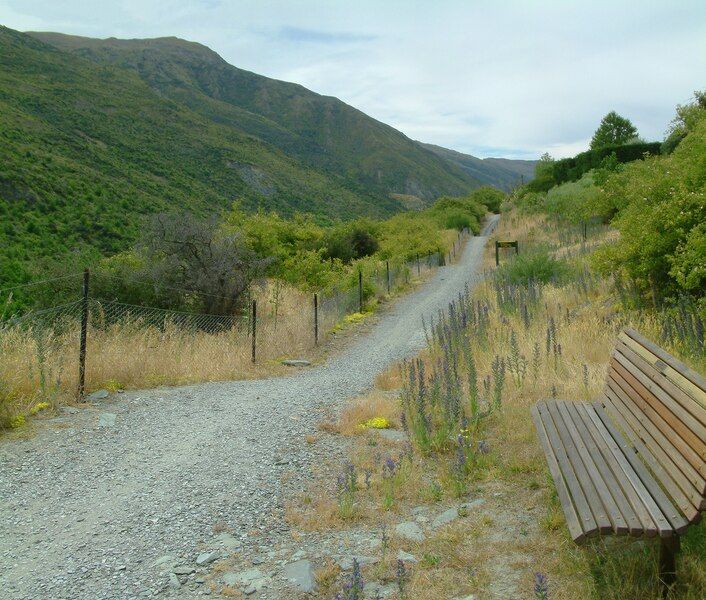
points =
(533, 266)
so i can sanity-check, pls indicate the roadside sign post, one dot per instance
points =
(499, 245)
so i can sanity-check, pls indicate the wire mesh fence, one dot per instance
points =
(68, 342)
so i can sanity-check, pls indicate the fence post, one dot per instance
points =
(84, 332)
(387, 267)
(497, 253)
(419, 270)
(585, 232)
(254, 328)
(360, 290)
(316, 319)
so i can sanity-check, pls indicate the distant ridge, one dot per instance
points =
(503, 173)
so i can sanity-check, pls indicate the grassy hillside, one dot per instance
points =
(88, 147)
(321, 131)
(502, 173)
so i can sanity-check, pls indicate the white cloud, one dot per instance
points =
(516, 78)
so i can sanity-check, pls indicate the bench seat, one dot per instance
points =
(603, 486)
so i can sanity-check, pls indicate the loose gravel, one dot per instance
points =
(98, 496)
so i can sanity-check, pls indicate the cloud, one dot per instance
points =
(514, 78)
(298, 34)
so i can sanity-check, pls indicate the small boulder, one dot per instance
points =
(346, 563)
(174, 582)
(445, 518)
(107, 420)
(301, 574)
(242, 578)
(296, 362)
(410, 531)
(206, 558)
(406, 557)
(99, 395)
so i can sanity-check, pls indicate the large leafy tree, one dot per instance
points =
(613, 130)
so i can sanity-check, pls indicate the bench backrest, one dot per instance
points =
(660, 404)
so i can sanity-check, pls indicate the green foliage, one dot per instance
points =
(488, 196)
(660, 214)
(101, 134)
(572, 169)
(537, 265)
(613, 130)
(543, 175)
(573, 201)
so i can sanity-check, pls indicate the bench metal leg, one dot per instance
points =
(667, 563)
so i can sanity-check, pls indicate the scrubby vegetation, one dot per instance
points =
(621, 246)
(176, 307)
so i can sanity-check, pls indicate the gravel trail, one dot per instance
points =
(87, 505)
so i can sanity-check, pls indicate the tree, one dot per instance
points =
(184, 252)
(613, 130)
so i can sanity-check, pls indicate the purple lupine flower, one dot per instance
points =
(541, 586)
(483, 447)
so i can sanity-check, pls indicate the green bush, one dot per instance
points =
(572, 169)
(537, 265)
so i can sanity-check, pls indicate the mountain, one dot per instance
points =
(503, 173)
(322, 132)
(95, 134)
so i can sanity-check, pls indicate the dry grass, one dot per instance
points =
(374, 404)
(520, 529)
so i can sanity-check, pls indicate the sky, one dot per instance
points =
(490, 78)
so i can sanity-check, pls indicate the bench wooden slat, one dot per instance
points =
(573, 521)
(686, 501)
(663, 511)
(594, 502)
(632, 509)
(683, 376)
(596, 469)
(688, 405)
(670, 458)
(671, 417)
(576, 497)
(652, 511)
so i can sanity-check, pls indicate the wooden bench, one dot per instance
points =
(634, 461)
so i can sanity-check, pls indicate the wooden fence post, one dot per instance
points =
(84, 333)
(360, 290)
(316, 319)
(254, 329)
(387, 267)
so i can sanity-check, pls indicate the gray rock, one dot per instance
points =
(69, 410)
(229, 541)
(174, 581)
(242, 578)
(301, 574)
(374, 589)
(258, 560)
(296, 362)
(468, 506)
(346, 563)
(406, 557)
(420, 510)
(167, 561)
(393, 435)
(410, 531)
(99, 395)
(183, 570)
(206, 558)
(107, 420)
(445, 518)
